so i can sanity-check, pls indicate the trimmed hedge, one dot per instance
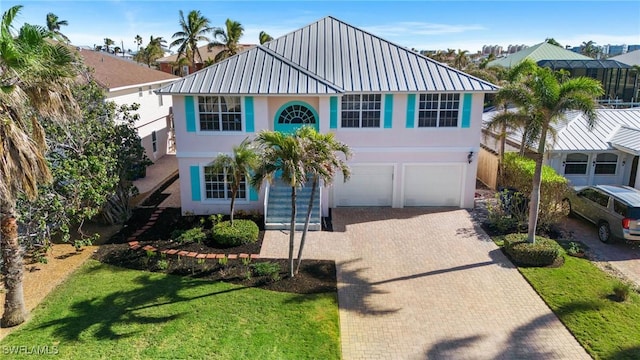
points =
(242, 232)
(518, 174)
(542, 253)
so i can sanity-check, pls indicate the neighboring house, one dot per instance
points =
(631, 58)
(413, 124)
(126, 82)
(619, 81)
(171, 65)
(603, 155)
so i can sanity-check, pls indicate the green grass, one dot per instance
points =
(104, 312)
(580, 294)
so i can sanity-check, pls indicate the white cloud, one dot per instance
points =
(419, 28)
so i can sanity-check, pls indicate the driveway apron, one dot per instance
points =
(424, 283)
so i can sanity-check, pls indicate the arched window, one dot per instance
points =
(606, 164)
(576, 164)
(296, 114)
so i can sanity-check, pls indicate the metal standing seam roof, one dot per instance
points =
(626, 139)
(542, 51)
(578, 136)
(327, 57)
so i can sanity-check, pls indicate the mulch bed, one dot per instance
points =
(314, 276)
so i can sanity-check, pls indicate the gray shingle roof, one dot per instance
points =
(328, 57)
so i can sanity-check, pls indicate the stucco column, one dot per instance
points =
(637, 186)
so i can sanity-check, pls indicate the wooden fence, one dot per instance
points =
(488, 167)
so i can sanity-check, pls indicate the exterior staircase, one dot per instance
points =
(278, 207)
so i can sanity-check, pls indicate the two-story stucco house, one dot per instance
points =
(413, 124)
(126, 82)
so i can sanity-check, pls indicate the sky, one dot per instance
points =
(423, 25)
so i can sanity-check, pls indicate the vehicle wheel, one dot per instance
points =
(604, 233)
(566, 208)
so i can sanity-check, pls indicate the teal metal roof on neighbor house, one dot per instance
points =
(327, 57)
(542, 51)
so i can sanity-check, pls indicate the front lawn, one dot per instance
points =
(581, 295)
(106, 312)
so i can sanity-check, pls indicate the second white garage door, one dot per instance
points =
(369, 185)
(432, 185)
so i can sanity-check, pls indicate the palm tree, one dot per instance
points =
(194, 29)
(552, 41)
(545, 99)
(152, 52)
(237, 167)
(321, 163)
(461, 59)
(35, 76)
(54, 24)
(589, 49)
(138, 41)
(282, 153)
(264, 37)
(229, 38)
(107, 43)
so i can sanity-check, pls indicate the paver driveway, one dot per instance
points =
(423, 283)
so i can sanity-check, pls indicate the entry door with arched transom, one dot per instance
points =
(294, 115)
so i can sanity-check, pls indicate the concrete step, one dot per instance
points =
(285, 226)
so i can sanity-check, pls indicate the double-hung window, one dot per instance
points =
(438, 110)
(220, 113)
(217, 185)
(576, 164)
(361, 110)
(606, 164)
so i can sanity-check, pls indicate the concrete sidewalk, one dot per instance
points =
(426, 284)
(157, 174)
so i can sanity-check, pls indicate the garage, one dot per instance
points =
(369, 185)
(433, 185)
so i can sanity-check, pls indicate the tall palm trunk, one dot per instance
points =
(306, 222)
(12, 268)
(234, 193)
(292, 232)
(534, 204)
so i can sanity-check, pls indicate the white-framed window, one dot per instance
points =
(606, 164)
(361, 110)
(154, 141)
(576, 164)
(139, 92)
(220, 113)
(438, 110)
(217, 185)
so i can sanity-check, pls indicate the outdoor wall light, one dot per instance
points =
(624, 162)
(470, 157)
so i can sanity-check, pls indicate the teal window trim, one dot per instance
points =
(411, 111)
(297, 102)
(190, 113)
(388, 111)
(333, 112)
(253, 193)
(249, 114)
(466, 110)
(194, 171)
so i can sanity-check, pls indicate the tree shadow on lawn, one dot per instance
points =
(119, 309)
(519, 345)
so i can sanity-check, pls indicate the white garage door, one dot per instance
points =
(432, 185)
(369, 185)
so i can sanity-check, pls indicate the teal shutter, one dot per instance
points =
(190, 114)
(466, 110)
(388, 111)
(253, 194)
(333, 112)
(195, 182)
(248, 111)
(411, 110)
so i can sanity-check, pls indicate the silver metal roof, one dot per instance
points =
(578, 136)
(627, 139)
(328, 56)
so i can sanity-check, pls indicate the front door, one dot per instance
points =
(294, 115)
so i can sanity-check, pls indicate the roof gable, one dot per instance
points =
(578, 136)
(542, 51)
(630, 58)
(328, 57)
(112, 72)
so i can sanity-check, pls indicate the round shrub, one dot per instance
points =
(542, 253)
(242, 232)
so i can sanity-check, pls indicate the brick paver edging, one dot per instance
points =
(134, 244)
